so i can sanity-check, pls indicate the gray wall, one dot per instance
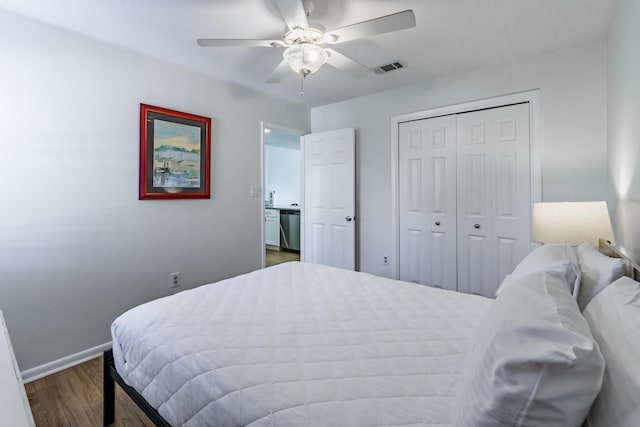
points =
(624, 125)
(572, 83)
(77, 248)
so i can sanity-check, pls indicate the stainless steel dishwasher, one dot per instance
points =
(290, 223)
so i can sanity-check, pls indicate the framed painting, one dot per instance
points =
(175, 154)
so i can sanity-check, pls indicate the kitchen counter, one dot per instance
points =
(282, 227)
(283, 207)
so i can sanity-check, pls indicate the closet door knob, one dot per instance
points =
(476, 226)
(438, 223)
(348, 219)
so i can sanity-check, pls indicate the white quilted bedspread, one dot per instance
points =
(299, 345)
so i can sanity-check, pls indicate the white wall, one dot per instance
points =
(573, 107)
(283, 174)
(624, 125)
(77, 247)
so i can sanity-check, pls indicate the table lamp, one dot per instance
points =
(575, 222)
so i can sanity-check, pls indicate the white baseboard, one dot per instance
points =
(64, 363)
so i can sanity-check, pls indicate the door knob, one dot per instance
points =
(348, 219)
(438, 223)
(476, 226)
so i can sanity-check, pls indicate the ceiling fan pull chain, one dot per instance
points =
(302, 76)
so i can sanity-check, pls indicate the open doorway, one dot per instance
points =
(283, 194)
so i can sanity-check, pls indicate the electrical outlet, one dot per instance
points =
(385, 259)
(174, 280)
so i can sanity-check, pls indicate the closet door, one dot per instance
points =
(494, 196)
(427, 188)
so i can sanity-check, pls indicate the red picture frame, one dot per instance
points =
(175, 154)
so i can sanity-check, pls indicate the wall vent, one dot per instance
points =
(388, 67)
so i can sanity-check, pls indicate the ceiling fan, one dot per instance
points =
(305, 46)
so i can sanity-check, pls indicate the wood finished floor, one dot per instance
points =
(278, 257)
(73, 398)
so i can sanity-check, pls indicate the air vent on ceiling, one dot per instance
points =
(389, 67)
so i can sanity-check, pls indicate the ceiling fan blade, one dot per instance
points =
(344, 63)
(279, 73)
(293, 13)
(384, 24)
(238, 43)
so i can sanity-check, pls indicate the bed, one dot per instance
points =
(300, 344)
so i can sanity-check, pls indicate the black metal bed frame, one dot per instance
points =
(110, 377)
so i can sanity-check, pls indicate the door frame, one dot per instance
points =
(535, 151)
(264, 125)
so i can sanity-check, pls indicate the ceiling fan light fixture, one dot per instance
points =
(303, 35)
(331, 38)
(305, 58)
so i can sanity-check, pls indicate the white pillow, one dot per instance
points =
(597, 271)
(614, 317)
(558, 256)
(532, 360)
(504, 284)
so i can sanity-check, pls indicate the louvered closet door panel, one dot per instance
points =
(494, 196)
(427, 200)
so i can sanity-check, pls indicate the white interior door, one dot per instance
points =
(494, 196)
(427, 201)
(329, 198)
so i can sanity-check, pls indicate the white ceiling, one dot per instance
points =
(450, 36)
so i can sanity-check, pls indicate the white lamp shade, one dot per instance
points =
(575, 222)
(305, 58)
